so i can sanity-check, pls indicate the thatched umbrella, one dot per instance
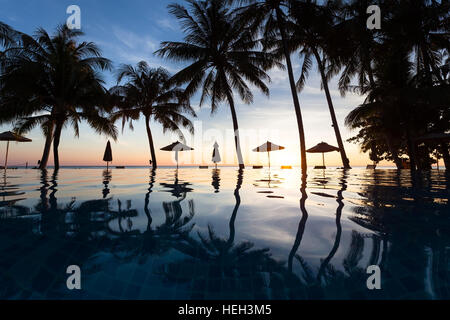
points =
(177, 146)
(11, 136)
(108, 155)
(322, 148)
(216, 154)
(268, 147)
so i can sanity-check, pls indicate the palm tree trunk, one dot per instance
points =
(411, 149)
(345, 161)
(237, 139)
(47, 146)
(56, 141)
(394, 152)
(150, 141)
(298, 112)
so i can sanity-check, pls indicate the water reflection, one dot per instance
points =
(177, 188)
(376, 217)
(107, 176)
(216, 180)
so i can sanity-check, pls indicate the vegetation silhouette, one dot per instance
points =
(225, 57)
(148, 92)
(53, 81)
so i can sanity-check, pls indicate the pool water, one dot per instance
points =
(224, 234)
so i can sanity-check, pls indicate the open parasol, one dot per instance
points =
(177, 146)
(268, 147)
(11, 136)
(322, 148)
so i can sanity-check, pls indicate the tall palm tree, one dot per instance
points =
(53, 81)
(268, 17)
(148, 92)
(225, 57)
(312, 27)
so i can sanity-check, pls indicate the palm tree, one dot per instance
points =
(268, 17)
(148, 92)
(8, 36)
(312, 27)
(225, 57)
(53, 81)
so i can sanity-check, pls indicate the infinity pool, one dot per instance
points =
(225, 234)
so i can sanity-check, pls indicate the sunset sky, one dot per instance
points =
(130, 31)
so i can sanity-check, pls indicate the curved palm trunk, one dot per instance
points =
(230, 240)
(150, 142)
(345, 161)
(57, 138)
(337, 239)
(237, 140)
(47, 146)
(298, 112)
(301, 225)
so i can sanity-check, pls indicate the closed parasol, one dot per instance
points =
(216, 154)
(177, 146)
(268, 147)
(107, 157)
(11, 136)
(322, 148)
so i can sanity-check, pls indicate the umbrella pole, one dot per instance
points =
(323, 159)
(268, 154)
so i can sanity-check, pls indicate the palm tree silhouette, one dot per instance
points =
(225, 57)
(148, 92)
(312, 28)
(56, 78)
(268, 17)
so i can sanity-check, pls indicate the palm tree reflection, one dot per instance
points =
(337, 240)
(221, 266)
(301, 226)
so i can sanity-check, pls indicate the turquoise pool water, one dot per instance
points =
(225, 234)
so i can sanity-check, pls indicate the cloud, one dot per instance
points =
(168, 24)
(134, 41)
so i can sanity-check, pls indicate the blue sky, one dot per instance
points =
(130, 31)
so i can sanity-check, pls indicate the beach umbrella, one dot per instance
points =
(177, 146)
(268, 147)
(216, 155)
(11, 136)
(322, 148)
(108, 155)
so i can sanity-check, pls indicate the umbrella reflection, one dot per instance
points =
(216, 180)
(107, 176)
(178, 189)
